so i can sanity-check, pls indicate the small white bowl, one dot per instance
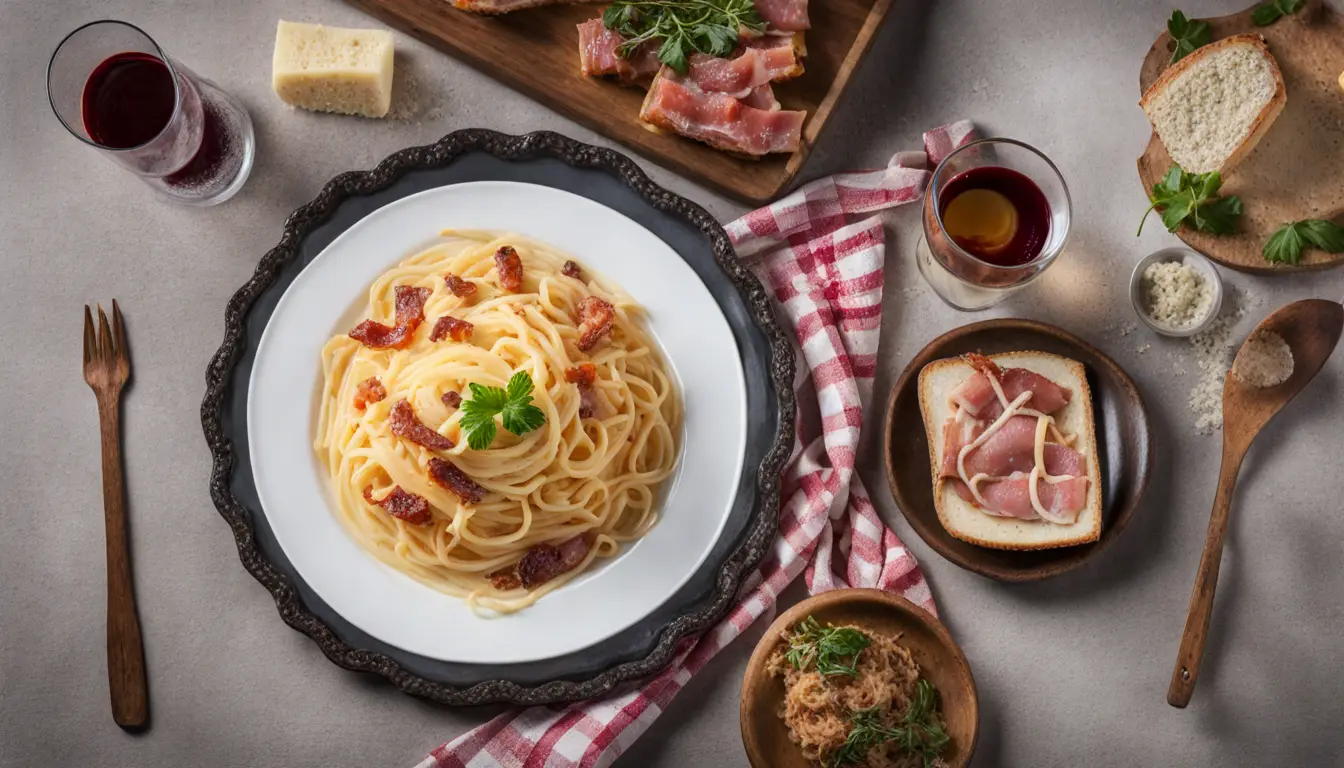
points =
(1196, 260)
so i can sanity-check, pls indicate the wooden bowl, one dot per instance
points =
(1124, 447)
(766, 737)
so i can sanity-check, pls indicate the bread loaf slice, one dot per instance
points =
(1212, 107)
(968, 522)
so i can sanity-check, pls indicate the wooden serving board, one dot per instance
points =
(1297, 170)
(536, 52)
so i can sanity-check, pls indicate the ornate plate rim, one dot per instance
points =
(541, 144)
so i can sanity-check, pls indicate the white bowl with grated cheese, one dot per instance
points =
(1176, 291)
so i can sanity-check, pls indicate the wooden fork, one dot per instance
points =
(107, 365)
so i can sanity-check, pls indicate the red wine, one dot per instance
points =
(1020, 226)
(128, 100)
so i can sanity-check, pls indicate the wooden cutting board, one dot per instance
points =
(536, 52)
(1297, 170)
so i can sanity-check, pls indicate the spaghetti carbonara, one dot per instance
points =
(522, 513)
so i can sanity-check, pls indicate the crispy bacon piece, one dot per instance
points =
(410, 313)
(405, 425)
(451, 327)
(402, 505)
(571, 269)
(447, 475)
(584, 374)
(459, 287)
(370, 390)
(506, 578)
(542, 563)
(595, 319)
(452, 399)
(510, 266)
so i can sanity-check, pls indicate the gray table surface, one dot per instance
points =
(1070, 671)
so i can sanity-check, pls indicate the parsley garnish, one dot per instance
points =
(917, 734)
(1286, 245)
(1269, 12)
(1188, 35)
(520, 416)
(826, 648)
(684, 26)
(1192, 198)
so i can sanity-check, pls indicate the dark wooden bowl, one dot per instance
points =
(941, 662)
(1124, 447)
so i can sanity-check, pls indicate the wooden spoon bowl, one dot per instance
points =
(1311, 329)
(766, 737)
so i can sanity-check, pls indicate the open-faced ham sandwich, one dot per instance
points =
(1013, 449)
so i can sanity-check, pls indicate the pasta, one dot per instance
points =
(589, 475)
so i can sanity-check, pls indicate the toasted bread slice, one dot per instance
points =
(1212, 107)
(967, 522)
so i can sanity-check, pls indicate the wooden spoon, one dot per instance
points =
(1311, 328)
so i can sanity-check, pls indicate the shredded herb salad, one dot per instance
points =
(834, 652)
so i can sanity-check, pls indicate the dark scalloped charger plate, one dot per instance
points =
(614, 180)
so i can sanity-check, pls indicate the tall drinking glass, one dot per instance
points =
(115, 89)
(996, 215)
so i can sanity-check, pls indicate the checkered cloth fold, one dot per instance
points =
(827, 276)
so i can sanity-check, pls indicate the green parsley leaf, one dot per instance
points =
(919, 733)
(1188, 35)
(1326, 235)
(520, 416)
(1192, 198)
(825, 648)
(1285, 246)
(683, 27)
(1269, 12)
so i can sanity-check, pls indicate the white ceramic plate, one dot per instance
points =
(325, 299)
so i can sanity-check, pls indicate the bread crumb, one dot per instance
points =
(1143, 348)
(1265, 360)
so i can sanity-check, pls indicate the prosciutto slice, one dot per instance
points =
(759, 61)
(1011, 449)
(976, 395)
(1011, 497)
(598, 57)
(784, 15)
(491, 7)
(675, 104)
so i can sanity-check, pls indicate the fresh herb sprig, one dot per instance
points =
(1269, 12)
(684, 27)
(514, 404)
(826, 648)
(1285, 246)
(1192, 198)
(1189, 34)
(918, 733)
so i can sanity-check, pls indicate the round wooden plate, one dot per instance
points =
(941, 662)
(1124, 447)
(1294, 172)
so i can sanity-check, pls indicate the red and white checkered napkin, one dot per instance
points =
(827, 277)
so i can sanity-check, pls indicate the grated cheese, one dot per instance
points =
(1176, 294)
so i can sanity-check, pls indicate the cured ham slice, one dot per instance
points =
(1011, 497)
(762, 97)
(759, 61)
(1011, 449)
(976, 395)
(784, 15)
(598, 57)
(719, 120)
(508, 6)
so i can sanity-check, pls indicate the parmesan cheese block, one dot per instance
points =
(330, 69)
